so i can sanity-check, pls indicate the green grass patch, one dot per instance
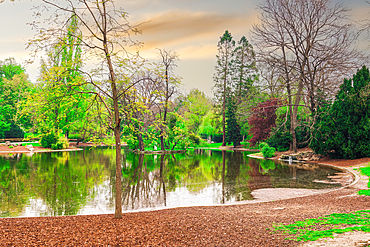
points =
(32, 143)
(322, 227)
(365, 171)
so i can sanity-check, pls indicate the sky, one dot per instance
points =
(191, 28)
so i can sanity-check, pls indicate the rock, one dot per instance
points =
(7, 143)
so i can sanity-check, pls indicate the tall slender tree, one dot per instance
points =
(168, 61)
(244, 69)
(223, 76)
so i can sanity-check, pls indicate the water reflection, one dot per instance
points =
(50, 184)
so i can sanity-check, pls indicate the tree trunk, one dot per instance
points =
(165, 111)
(141, 142)
(224, 115)
(117, 131)
(161, 170)
(117, 137)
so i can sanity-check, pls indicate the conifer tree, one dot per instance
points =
(244, 69)
(343, 132)
(223, 75)
(232, 127)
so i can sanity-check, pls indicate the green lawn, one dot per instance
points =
(322, 227)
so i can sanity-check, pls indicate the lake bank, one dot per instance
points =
(229, 225)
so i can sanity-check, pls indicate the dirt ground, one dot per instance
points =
(227, 225)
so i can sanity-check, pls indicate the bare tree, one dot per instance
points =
(103, 34)
(311, 43)
(168, 61)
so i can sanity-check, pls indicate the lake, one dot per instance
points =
(82, 182)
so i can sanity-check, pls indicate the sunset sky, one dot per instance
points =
(190, 27)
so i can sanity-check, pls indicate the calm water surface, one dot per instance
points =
(70, 183)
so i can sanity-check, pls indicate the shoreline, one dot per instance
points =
(239, 224)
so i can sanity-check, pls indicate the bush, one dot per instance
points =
(54, 141)
(48, 140)
(194, 139)
(268, 151)
(57, 146)
(14, 132)
(262, 145)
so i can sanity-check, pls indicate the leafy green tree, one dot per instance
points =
(14, 88)
(211, 125)
(57, 100)
(196, 106)
(343, 130)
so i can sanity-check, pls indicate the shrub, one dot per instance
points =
(194, 139)
(57, 145)
(62, 142)
(48, 139)
(14, 132)
(262, 145)
(10, 147)
(54, 141)
(268, 151)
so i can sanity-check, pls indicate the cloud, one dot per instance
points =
(178, 28)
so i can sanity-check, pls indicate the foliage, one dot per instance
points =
(211, 125)
(196, 105)
(49, 139)
(232, 126)
(14, 88)
(194, 139)
(62, 142)
(266, 150)
(262, 120)
(342, 129)
(262, 145)
(244, 70)
(365, 171)
(305, 230)
(280, 137)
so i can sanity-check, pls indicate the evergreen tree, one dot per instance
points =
(232, 126)
(244, 69)
(343, 131)
(223, 75)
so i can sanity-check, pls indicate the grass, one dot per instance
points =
(322, 227)
(365, 171)
(310, 229)
(32, 143)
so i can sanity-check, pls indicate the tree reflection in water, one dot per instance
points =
(83, 182)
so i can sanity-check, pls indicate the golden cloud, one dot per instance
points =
(178, 28)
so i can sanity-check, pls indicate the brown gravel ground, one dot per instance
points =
(235, 225)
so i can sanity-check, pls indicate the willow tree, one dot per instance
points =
(105, 34)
